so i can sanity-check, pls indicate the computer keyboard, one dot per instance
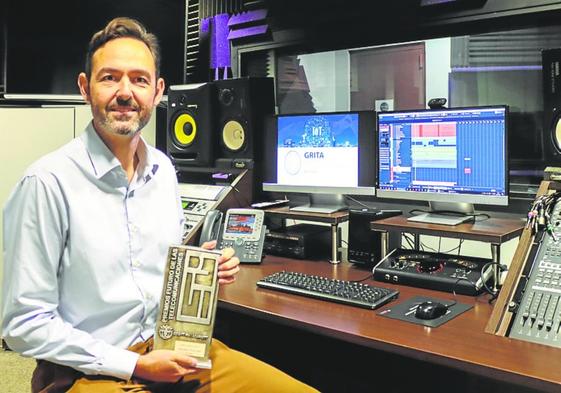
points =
(340, 291)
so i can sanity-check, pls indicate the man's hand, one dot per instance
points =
(228, 264)
(163, 365)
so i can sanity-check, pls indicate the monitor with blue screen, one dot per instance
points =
(451, 158)
(326, 155)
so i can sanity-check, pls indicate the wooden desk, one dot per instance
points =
(334, 219)
(494, 231)
(461, 343)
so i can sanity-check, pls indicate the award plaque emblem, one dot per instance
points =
(188, 303)
(165, 332)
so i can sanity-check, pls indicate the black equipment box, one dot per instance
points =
(365, 245)
(441, 272)
(302, 241)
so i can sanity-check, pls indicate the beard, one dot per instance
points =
(125, 124)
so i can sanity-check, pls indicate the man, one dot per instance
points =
(86, 236)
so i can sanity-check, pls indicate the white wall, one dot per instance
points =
(437, 63)
(328, 75)
(29, 133)
(25, 135)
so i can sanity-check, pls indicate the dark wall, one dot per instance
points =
(304, 26)
(316, 26)
(46, 41)
(338, 24)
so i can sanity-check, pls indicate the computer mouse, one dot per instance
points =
(430, 310)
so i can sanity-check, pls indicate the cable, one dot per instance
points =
(423, 246)
(357, 201)
(540, 213)
(487, 217)
(245, 203)
(455, 248)
(384, 258)
(456, 284)
(494, 294)
(362, 279)
(473, 217)
(410, 241)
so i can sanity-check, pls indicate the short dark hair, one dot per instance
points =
(123, 27)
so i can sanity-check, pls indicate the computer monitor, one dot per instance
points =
(452, 158)
(326, 155)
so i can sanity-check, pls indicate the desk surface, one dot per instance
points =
(493, 230)
(461, 343)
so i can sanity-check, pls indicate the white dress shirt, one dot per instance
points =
(84, 255)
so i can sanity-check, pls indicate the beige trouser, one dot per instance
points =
(232, 371)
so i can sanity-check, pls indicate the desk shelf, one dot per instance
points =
(333, 219)
(495, 231)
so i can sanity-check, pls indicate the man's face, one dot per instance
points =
(122, 89)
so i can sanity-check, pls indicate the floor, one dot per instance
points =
(16, 372)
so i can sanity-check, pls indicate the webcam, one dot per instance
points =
(437, 103)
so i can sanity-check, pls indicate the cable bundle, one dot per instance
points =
(539, 216)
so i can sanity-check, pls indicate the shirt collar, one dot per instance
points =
(147, 165)
(104, 161)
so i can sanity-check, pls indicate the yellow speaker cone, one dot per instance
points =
(185, 129)
(557, 135)
(233, 135)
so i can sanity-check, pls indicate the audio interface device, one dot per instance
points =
(442, 272)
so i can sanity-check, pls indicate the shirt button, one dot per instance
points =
(136, 263)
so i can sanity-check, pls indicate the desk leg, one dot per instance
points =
(334, 244)
(496, 258)
(417, 241)
(384, 238)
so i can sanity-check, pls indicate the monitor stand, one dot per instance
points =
(446, 213)
(323, 203)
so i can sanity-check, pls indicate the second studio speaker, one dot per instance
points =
(551, 63)
(243, 105)
(190, 139)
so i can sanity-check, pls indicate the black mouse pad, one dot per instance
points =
(405, 311)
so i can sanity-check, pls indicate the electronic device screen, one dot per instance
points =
(316, 150)
(188, 205)
(323, 153)
(455, 155)
(240, 224)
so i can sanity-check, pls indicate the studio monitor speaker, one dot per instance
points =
(191, 131)
(243, 105)
(551, 62)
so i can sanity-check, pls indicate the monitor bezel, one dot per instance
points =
(313, 189)
(428, 196)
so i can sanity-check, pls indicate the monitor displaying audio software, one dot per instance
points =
(327, 155)
(451, 158)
